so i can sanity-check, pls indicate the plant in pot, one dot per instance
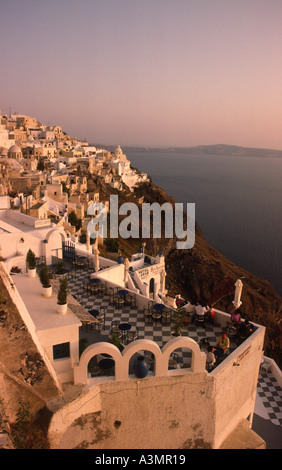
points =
(116, 341)
(45, 281)
(178, 320)
(31, 263)
(60, 267)
(62, 297)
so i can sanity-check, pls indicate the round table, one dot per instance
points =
(106, 364)
(159, 307)
(124, 326)
(94, 312)
(122, 292)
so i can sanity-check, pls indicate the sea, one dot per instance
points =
(238, 201)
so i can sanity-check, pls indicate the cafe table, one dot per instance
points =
(106, 364)
(122, 292)
(94, 312)
(159, 307)
(124, 327)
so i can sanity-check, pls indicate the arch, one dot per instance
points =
(122, 359)
(142, 344)
(152, 285)
(198, 357)
(80, 372)
(55, 230)
(47, 245)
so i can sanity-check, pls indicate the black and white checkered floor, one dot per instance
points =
(269, 398)
(269, 394)
(154, 330)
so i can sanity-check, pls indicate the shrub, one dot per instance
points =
(30, 259)
(44, 277)
(60, 267)
(24, 433)
(63, 292)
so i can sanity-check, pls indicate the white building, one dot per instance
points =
(20, 232)
(122, 166)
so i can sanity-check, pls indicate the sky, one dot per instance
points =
(150, 73)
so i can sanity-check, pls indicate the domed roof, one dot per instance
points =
(15, 149)
(3, 151)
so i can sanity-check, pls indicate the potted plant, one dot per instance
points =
(45, 281)
(60, 267)
(116, 341)
(62, 297)
(31, 263)
(178, 320)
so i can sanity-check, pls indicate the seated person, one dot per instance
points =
(245, 329)
(222, 345)
(199, 311)
(210, 357)
(236, 318)
(210, 316)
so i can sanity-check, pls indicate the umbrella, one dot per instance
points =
(163, 275)
(87, 242)
(126, 268)
(238, 291)
(96, 254)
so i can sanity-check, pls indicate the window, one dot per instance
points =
(61, 351)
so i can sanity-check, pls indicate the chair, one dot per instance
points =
(115, 326)
(210, 366)
(265, 366)
(166, 316)
(147, 311)
(119, 302)
(204, 343)
(231, 329)
(173, 360)
(132, 335)
(200, 320)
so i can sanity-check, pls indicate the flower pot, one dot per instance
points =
(141, 367)
(47, 291)
(31, 272)
(62, 308)
(176, 333)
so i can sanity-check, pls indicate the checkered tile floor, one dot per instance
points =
(154, 330)
(270, 395)
(268, 390)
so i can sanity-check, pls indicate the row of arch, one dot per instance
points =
(122, 359)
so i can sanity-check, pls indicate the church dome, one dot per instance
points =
(15, 149)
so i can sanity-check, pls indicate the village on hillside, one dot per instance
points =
(44, 171)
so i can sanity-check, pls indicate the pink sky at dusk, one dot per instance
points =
(150, 72)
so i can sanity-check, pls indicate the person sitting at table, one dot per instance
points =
(236, 318)
(210, 357)
(222, 345)
(199, 311)
(210, 315)
(245, 330)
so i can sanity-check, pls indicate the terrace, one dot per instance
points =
(269, 393)
(85, 296)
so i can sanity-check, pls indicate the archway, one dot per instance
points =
(53, 244)
(152, 286)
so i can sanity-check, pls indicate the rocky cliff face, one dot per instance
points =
(204, 274)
